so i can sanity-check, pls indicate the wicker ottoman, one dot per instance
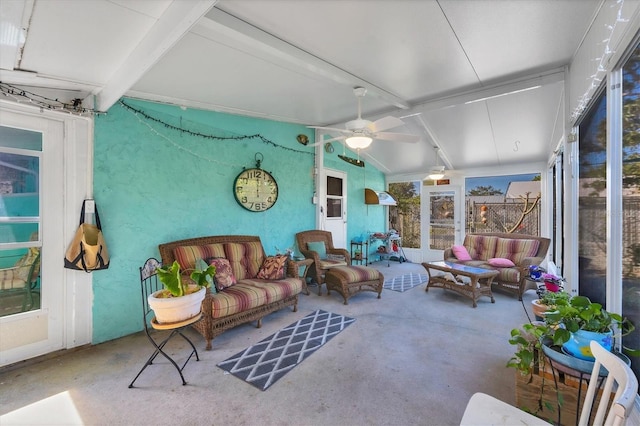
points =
(349, 280)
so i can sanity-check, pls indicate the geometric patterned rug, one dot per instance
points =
(267, 361)
(405, 282)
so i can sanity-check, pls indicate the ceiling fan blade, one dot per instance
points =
(339, 138)
(333, 129)
(385, 123)
(397, 137)
(322, 142)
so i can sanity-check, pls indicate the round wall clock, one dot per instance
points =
(255, 190)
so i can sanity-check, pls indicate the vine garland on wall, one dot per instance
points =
(139, 113)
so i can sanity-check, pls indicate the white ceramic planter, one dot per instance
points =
(176, 309)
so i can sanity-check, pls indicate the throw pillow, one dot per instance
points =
(273, 268)
(501, 262)
(318, 247)
(461, 253)
(224, 275)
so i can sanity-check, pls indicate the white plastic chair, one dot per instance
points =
(483, 409)
(627, 387)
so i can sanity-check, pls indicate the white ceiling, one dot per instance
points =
(298, 61)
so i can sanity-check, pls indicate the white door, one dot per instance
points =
(441, 219)
(333, 211)
(31, 194)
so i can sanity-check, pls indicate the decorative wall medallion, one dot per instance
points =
(328, 147)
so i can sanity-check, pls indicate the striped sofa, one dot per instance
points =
(250, 298)
(522, 250)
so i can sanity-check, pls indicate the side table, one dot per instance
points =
(295, 265)
(363, 248)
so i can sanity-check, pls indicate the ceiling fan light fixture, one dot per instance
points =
(358, 142)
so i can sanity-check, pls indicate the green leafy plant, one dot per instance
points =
(175, 286)
(528, 340)
(553, 299)
(569, 315)
(583, 314)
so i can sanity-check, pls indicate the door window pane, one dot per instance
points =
(334, 207)
(20, 247)
(592, 203)
(334, 186)
(442, 220)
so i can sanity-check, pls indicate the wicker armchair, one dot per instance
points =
(22, 277)
(320, 266)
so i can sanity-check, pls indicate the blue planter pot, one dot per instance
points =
(578, 344)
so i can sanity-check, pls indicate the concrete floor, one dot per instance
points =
(411, 358)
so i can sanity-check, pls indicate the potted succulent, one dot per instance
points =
(180, 299)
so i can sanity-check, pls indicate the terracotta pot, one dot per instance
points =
(538, 308)
(175, 309)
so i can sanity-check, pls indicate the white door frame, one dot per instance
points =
(65, 317)
(425, 214)
(337, 226)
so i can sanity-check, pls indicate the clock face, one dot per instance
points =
(255, 190)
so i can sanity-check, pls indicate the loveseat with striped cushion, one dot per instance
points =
(522, 250)
(249, 298)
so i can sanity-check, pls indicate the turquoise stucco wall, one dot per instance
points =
(153, 184)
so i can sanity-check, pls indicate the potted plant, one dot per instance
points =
(578, 322)
(552, 282)
(570, 317)
(549, 300)
(537, 340)
(180, 300)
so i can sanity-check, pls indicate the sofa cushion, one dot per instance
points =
(273, 268)
(501, 262)
(478, 264)
(461, 253)
(187, 255)
(245, 258)
(329, 263)
(237, 298)
(318, 247)
(516, 249)
(355, 274)
(224, 274)
(277, 290)
(481, 247)
(508, 275)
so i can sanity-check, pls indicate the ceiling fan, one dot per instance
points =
(359, 133)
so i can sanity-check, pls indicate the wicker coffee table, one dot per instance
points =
(478, 285)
